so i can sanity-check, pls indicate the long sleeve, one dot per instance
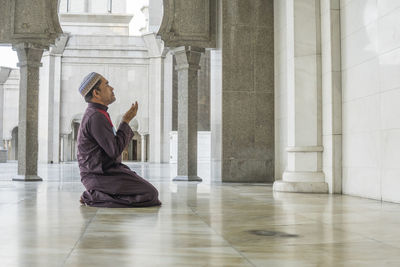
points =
(102, 132)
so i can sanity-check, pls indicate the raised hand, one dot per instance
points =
(131, 113)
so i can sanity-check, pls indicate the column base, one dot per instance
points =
(190, 178)
(300, 187)
(27, 178)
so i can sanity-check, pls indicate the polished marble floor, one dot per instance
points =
(199, 224)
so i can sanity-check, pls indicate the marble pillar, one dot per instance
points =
(4, 74)
(50, 99)
(168, 104)
(156, 54)
(49, 109)
(29, 56)
(304, 152)
(156, 125)
(188, 59)
(331, 94)
(143, 148)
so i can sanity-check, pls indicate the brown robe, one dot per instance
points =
(108, 182)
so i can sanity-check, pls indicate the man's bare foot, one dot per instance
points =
(82, 202)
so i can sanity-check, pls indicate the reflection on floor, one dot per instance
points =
(199, 224)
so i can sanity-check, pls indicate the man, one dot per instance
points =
(108, 182)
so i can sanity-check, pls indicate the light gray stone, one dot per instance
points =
(188, 59)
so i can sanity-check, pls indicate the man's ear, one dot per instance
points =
(95, 93)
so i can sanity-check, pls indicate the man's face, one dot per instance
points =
(105, 93)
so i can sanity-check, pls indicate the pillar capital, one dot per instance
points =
(188, 57)
(29, 54)
(189, 23)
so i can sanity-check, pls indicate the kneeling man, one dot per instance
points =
(108, 182)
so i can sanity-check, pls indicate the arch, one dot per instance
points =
(134, 123)
(13, 148)
(12, 129)
(71, 143)
(133, 151)
(76, 118)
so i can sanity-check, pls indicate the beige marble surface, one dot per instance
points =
(199, 224)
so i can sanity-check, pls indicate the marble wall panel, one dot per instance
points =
(360, 46)
(390, 110)
(388, 71)
(371, 88)
(361, 81)
(386, 6)
(390, 184)
(357, 15)
(363, 182)
(361, 150)
(98, 6)
(388, 29)
(361, 115)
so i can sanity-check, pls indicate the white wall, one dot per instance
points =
(203, 146)
(11, 98)
(370, 41)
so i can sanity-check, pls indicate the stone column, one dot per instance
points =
(304, 152)
(143, 148)
(242, 114)
(188, 60)
(29, 56)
